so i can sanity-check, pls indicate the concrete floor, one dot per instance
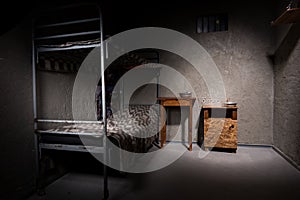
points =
(251, 173)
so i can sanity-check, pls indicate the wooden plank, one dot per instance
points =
(163, 132)
(179, 102)
(289, 16)
(206, 114)
(220, 107)
(175, 98)
(234, 115)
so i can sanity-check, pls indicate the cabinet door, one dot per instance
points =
(220, 132)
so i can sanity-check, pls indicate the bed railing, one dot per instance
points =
(43, 42)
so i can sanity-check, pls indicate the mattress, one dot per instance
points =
(134, 129)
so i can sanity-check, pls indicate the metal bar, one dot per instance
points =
(67, 35)
(105, 178)
(34, 78)
(34, 97)
(65, 147)
(69, 22)
(47, 49)
(67, 133)
(67, 121)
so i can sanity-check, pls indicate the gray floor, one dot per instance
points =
(251, 173)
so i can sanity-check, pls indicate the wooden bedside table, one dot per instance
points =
(219, 127)
(173, 101)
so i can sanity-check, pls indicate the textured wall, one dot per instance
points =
(241, 55)
(16, 114)
(287, 95)
(55, 94)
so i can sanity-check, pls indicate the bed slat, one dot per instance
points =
(66, 147)
(67, 35)
(68, 121)
(68, 133)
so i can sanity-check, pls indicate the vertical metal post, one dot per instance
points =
(105, 183)
(34, 97)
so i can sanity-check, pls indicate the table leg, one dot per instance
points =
(163, 127)
(190, 128)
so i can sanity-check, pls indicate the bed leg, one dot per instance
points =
(105, 188)
(40, 179)
(106, 194)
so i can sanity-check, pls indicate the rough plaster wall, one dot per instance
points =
(286, 101)
(177, 129)
(16, 114)
(55, 94)
(241, 54)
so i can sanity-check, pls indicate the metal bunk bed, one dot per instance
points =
(46, 43)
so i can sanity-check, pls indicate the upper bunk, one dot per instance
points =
(62, 37)
(71, 27)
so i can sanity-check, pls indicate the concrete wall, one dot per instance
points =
(241, 55)
(287, 95)
(16, 114)
(55, 94)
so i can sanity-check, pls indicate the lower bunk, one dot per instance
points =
(135, 129)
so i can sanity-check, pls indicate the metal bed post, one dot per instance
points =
(105, 179)
(34, 97)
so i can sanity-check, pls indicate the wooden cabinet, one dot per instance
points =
(218, 128)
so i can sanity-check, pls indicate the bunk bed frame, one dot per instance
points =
(68, 129)
(36, 49)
